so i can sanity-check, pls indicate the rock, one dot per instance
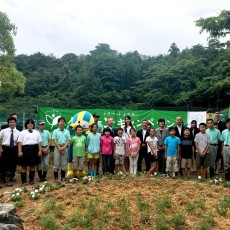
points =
(9, 220)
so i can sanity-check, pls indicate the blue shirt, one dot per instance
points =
(93, 143)
(61, 136)
(45, 135)
(172, 146)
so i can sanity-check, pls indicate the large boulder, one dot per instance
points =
(9, 220)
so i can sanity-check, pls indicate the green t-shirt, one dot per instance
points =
(78, 143)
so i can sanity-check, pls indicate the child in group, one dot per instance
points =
(61, 137)
(107, 146)
(119, 150)
(93, 143)
(29, 151)
(134, 144)
(172, 152)
(78, 144)
(43, 167)
(187, 152)
(202, 143)
(151, 141)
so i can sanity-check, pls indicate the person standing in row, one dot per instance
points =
(152, 141)
(187, 152)
(202, 143)
(43, 167)
(172, 152)
(142, 135)
(219, 160)
(61, 137)
(93, 143)
(99, 125)
(133, 143)
(107, 148)
(8, 151)
(161, 134)
(119, 150)
(126, 128)
(215, 137)
(226, 149)
(29, 151)
(78, 144)
(100, 131)
(113, 133)
(179, 128)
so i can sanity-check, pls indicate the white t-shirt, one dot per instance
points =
(202, 140)
(27, 138)
(152, 141)
(5, 135)
(120, 145)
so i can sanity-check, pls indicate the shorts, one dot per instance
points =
(119, 159)
(151, 158)
(78, 163)
(202, 161)
(172, 164)
(186, 163)
(93, 156)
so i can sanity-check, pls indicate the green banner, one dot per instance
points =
(51, 115)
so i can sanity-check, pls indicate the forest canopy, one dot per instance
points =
(105, 78)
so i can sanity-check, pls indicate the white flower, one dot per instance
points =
(211, 181)
(36, 190)
(13, 195)
(199, 177)
(155, 174)
(216, 181)
(45, 182)
(18, 190)
(220, 179)
(32, 193)
(40, 189)
(17, 194)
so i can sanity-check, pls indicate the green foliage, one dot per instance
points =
(11, 79)
(105, 78)
(217, 26)
(190, 206)
(178, 220)
(206, 223)
(223, 206)
(163, 204)
(48, 222)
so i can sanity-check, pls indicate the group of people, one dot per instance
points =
(169, 151)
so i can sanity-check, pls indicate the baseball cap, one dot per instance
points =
(41, 122)
(96, 115)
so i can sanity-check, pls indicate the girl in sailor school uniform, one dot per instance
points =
(29, 151)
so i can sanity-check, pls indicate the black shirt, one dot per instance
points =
(186, 147)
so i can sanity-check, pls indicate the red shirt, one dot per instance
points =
(107, 145)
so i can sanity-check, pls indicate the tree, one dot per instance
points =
(217, 27)
(11, 80)
(173, 50)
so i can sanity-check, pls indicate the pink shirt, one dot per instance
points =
(107, 145)
(133, 144)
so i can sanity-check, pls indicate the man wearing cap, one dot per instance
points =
(99, 125)
(46, 140)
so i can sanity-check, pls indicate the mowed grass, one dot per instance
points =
(132, 203)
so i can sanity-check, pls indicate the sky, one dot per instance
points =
(76, 26)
